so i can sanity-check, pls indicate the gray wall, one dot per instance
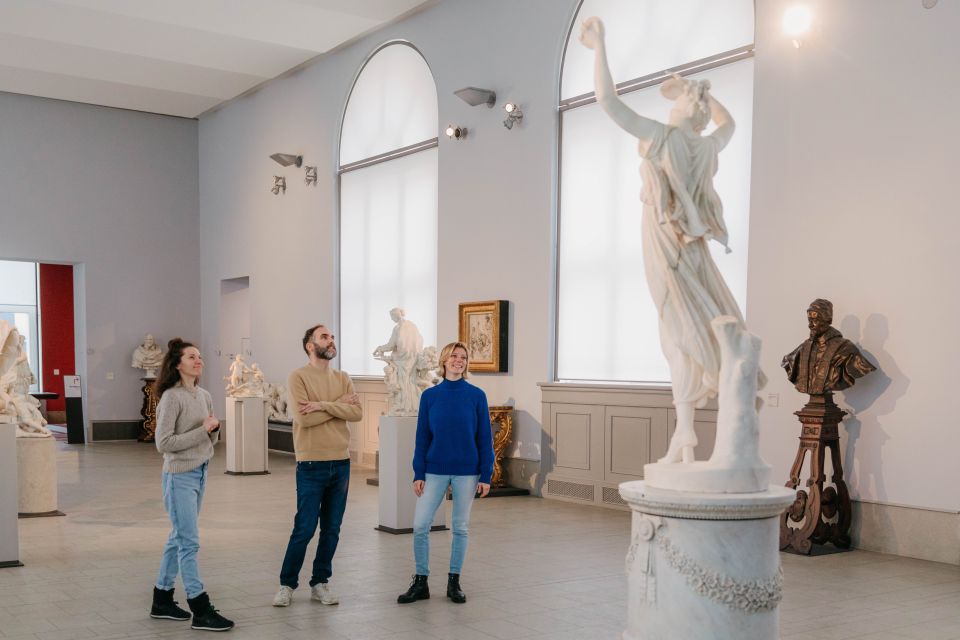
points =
(115, 192)
(851, 201)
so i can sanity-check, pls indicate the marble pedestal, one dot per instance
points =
(397, 501)
(9, 496)
(703, 566)
(246, 436)
(37, 473)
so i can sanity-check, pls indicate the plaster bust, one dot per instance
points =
(148, 356)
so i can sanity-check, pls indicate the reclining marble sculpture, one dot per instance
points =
(15, 401)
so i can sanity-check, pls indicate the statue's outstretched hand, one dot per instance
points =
(591, 32)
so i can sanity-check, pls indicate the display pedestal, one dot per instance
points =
(246, 435)
(397, 500)
(823, 515)
(9, 496)
(148, 410)
(703, 565)
(37, 475)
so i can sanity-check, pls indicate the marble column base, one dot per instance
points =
(246, 435)
(707, 477)
(703, 566)
(397, 502)
(37, 473)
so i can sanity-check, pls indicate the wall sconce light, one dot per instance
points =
(311, 177)
(287, 159)
(514, 115)
(456, 133)
(474, 96)
(797, 21)
(279, 185)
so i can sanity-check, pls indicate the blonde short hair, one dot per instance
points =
(445, 353)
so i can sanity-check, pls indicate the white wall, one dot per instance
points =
(496, 190)
(114, 191)
(851, 201)
(854, 201)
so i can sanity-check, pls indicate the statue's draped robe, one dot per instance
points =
(681, 212)
(825, 364)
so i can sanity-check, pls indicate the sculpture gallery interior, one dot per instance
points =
(697, 253)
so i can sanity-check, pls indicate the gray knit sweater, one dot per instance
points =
(180, 435)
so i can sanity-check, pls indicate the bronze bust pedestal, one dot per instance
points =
(822, 364)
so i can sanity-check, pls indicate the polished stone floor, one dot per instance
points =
(536, 569)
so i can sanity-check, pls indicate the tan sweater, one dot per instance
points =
(321, 435)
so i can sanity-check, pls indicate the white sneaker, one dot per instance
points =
(283, 597)
(322, 592)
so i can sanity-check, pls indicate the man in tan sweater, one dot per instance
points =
(323, 401)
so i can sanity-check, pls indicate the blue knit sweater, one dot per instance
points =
(453, 432)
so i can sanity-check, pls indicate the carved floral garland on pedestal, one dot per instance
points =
(751, 596)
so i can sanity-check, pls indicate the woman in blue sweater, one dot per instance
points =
(454, 449)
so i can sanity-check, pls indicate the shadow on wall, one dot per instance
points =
(870, 401)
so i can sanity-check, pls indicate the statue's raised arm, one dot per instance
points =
(642, 128)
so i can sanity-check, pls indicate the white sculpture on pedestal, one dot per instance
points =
(681, 212)
(408, 366)
(148, 356)
(244, 381)
(15, 400)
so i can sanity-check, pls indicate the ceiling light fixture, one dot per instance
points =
(514, 115)
(287, 159)
(797, 21)
(475, 96)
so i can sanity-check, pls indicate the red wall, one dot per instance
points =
(56, 328)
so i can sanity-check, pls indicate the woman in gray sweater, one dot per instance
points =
(186, 433)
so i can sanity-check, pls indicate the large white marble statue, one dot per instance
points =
(400, 353)
(244, 381)
(148, 356)
(681, 212)
(15, 401)
(25, 377)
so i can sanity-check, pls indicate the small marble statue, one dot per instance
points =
(16, 402)
(826, 361)
(148, 356)
(681, 213)
(244, 381)
(401, 351)
(427, 364)
(276, 395)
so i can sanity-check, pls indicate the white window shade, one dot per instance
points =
(648, 36)
(392, 105)
(388, 255)
(607, 323)
(18, 283)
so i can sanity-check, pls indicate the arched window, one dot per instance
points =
(606, 322)
(388, 204)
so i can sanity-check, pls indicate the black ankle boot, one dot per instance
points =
(453, 588)
(165, 607)
(418, 591)
(205, 617)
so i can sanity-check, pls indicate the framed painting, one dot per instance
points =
(483, 328)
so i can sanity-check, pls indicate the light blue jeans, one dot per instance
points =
(434, 490)
(182, 497)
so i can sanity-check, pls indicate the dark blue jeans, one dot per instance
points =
(321, 497)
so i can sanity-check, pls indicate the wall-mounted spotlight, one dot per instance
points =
(456, 133)
(474, 96)
(287, 159)
(279, 185)
(311, 176)
(514, 115)
(797, 21)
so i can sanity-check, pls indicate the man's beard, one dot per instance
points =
(328, 354)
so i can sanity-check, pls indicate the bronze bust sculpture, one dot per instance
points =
(826, 362)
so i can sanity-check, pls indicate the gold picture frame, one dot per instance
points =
(484, 329)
